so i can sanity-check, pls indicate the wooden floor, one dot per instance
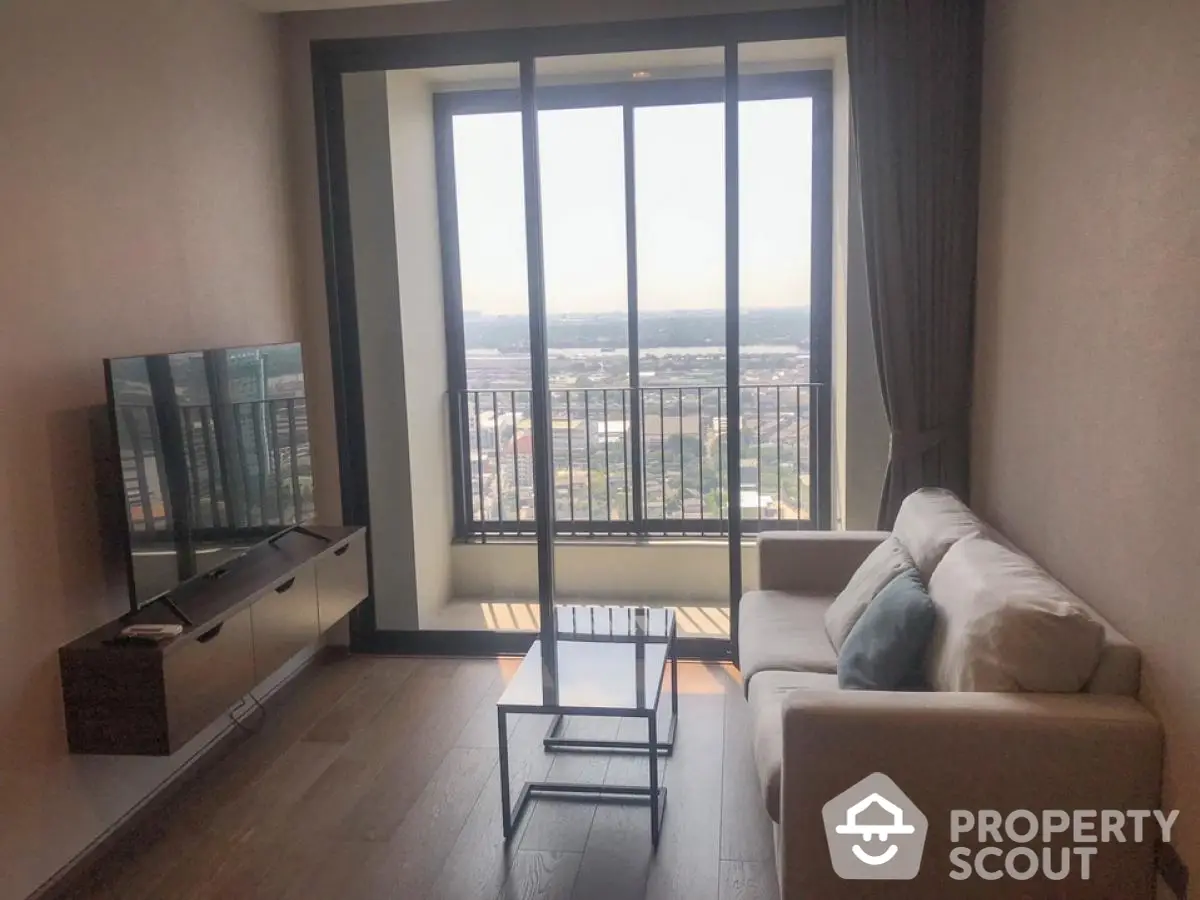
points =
(377, 777)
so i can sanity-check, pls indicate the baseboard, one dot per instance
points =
(74, 874)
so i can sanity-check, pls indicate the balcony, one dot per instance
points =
(644, 462)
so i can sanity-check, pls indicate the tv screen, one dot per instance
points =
(214, 457)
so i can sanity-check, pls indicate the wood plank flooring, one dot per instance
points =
(377, 778)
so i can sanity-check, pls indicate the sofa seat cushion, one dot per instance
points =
(930, 521)
(885, 562)
(780, 630)
(767, 694)
(1003, 624)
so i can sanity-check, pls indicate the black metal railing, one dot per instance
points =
(648, 461)
(246, 465)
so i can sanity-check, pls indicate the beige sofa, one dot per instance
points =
(1094, 748)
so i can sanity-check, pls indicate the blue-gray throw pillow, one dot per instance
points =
(886, 647)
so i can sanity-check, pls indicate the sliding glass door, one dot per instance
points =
(635, 288)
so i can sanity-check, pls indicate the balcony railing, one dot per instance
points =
(649, 461)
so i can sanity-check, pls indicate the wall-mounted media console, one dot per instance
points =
(245, 621)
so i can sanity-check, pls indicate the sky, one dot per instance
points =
(680, 183)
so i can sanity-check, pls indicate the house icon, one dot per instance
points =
(875, 831)
(883, 832)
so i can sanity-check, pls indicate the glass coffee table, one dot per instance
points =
(606, 661)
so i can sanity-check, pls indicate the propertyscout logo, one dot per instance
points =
(876, 832)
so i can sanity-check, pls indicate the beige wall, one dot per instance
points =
(1087, 416)
(144, 208)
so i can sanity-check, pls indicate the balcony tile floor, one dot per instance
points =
(467, 614)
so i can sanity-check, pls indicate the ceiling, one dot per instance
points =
(273, 6)
(690, 62)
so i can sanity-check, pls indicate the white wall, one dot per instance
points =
(861, 439)
(867, 436)
(418, 252)
(683, 571)
(381, 337)
(397, 269)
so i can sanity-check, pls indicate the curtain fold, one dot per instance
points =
(915, 80)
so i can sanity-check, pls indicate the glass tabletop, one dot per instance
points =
(614, 623)
(603, 677)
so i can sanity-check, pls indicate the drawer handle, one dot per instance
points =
(210, 634)
(286, 586)
(342, 549)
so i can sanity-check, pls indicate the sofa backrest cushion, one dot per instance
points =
(1119, 670)
(1003, 624)
(883, 564)
(929, 523)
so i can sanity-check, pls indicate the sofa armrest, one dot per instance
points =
(817, 562)
(968, 751)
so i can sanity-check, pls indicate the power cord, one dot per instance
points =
(240, 721)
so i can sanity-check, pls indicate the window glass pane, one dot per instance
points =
(680, 165)
(775, 225)
(581, 156)
(582, 161)
(636, 450)
(679, 156)
(775, 195)
(489, 198)
(490, 189)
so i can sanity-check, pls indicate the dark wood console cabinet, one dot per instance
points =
(268, 606)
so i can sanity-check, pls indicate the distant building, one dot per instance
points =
(756, 505)
(525, 459)
(612, 431)
(657, 428)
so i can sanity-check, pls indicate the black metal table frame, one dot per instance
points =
(652, 794)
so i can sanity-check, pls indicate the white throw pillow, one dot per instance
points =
(930, 522)
(886, 561)
(1005, 625)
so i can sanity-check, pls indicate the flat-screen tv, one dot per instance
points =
(213, 453)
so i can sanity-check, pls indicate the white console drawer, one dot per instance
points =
(342, 581)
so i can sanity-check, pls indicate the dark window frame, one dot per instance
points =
(330, 60)
(812, 84)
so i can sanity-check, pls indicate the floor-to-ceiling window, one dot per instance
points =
(633, 188)
(634, 294)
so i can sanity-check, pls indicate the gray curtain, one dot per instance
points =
(915, 69)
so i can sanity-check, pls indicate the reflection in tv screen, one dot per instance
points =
(215, 457)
